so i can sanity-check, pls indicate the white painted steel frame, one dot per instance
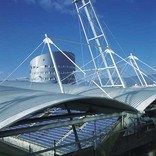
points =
(96, 38)
(137, 70)
(48, 42)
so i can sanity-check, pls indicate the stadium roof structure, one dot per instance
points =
(34, 112)
(20, 99)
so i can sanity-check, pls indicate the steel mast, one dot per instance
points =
(137, 70)
(98, 37)
(48, 41)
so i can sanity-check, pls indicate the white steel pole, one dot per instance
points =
(91, 52)
(136, 72)
(82, 70)
(116, 68)
(99, 25)
(48, 42)
(145, 83)
(98, 42)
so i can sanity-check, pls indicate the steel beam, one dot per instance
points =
(57, 124)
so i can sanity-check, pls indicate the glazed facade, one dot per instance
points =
(42, 69)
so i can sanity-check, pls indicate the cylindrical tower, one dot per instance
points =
(42, 70)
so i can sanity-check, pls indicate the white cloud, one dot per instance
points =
(63, 6)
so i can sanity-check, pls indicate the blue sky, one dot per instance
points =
(23, 24)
